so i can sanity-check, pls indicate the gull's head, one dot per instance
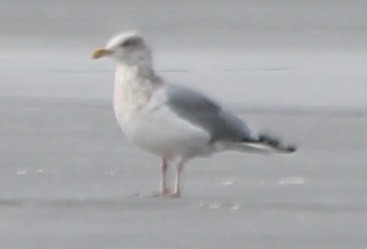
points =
(126, 48)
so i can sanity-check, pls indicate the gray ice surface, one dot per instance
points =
(69, 179)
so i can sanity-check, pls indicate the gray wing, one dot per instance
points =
(206, 113)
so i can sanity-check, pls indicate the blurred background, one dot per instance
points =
(69, 178)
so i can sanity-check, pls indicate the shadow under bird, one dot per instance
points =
(171, 121)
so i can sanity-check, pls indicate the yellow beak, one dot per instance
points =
(100, 52)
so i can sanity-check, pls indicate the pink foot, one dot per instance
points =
(163, 192)
(174, 195)
(167, 193)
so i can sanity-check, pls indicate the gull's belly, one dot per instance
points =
(164, 133)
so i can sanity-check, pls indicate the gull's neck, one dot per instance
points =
(137, 75)
(134, 86)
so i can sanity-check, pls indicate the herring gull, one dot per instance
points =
(171, 121)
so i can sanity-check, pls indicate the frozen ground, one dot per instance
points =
(69, 179)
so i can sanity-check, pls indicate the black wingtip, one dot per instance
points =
(291, 149)
(276, 143)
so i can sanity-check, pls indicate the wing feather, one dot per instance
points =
(206, 113)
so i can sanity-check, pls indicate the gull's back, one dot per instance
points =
(204, 112)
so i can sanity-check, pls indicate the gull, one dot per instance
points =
(174, 122)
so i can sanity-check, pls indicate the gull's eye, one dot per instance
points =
(130, 42)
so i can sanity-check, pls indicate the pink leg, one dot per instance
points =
(177, 191)
(163, 185)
